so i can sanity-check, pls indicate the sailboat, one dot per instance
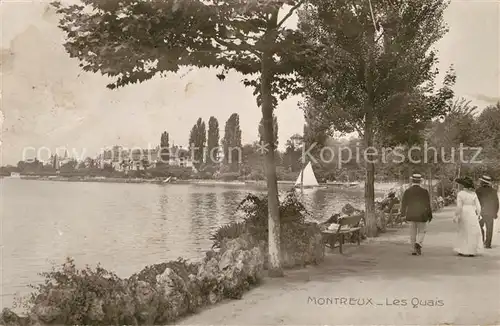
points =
(307, 179)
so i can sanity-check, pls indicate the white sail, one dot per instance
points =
(297, 183)
(309, 177)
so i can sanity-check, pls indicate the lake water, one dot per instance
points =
(122, 226)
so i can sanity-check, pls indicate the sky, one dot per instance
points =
(48, 102)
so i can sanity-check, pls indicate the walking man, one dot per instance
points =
(488, 199)
(416, 206)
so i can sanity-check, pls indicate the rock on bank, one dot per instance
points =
(159, 294)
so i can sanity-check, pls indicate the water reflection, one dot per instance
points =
(163, 205)
(322, 203)
(196, 214)
(210, 201)
(230, 203)
(159, 222)
(196, 208)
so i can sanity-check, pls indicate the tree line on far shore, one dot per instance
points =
(465, 124)
(245, 162)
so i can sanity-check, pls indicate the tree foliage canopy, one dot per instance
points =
(293, 153)
(275, 130)
(489, 126)
(213, 140)
(232, 141)
(197, 141)
(382, 72)
(131, 41)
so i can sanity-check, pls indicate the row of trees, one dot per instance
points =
(206, 143)
(365, 66)
(436, 148)
(36, 166)
(476, 131)
(464, 141)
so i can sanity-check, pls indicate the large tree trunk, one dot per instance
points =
(370, 216)
(275, 269)
(369, 135)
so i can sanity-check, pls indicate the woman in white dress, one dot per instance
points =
(469, 240)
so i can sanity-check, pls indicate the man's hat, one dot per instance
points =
(416, 177)
(486, 179)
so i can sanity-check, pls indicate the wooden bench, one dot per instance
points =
(395, 217)
(347, 225)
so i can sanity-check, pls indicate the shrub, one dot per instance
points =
(157, 295)
(448, 188)
(256, 175)
(69, 296)
(117, 174)
(203, 175)
(256, 211)
(301, 242)
(228, 231)
(287, 176)
(229, 176)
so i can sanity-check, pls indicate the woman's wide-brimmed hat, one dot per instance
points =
(416, 177)
(486, 179)
(466, 182)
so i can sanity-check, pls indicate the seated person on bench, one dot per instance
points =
(389, 202)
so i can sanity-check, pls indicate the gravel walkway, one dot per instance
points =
(380, 283)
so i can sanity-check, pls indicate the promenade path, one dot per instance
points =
(363, 286)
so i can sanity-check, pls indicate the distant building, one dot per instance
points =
(116, 156)
(55, 161)
(142, 159)
(180, 157)
(152, 156)
(122, 159)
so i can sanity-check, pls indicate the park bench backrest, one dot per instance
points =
(350, 220)
(396, 208)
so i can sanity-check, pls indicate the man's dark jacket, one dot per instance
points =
(488, 199)
(416, 205)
